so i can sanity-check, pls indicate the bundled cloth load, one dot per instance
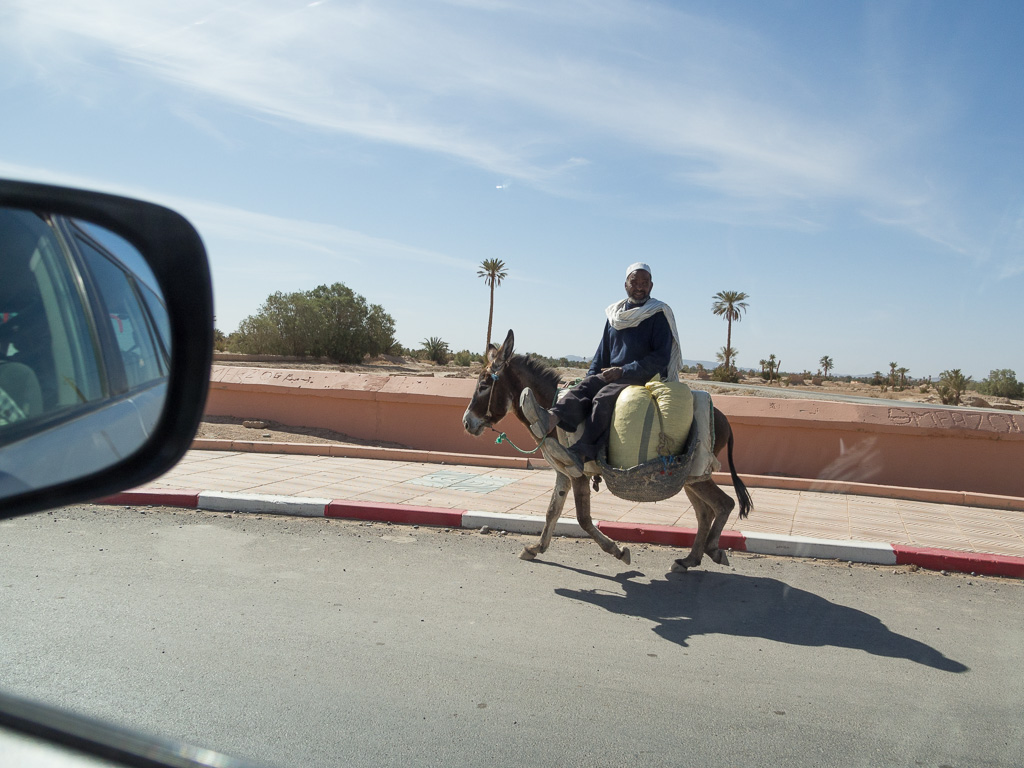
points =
(661, 437)
(649, 421)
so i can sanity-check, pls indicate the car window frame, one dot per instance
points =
(75, 238)
(141, 290)
(63, 276)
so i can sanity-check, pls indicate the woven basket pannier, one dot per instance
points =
(655, 480)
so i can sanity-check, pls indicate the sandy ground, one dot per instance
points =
(226, 428)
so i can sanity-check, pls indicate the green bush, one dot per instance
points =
(1002, 383)
(328, 321)
(465, 358)
(725, 374)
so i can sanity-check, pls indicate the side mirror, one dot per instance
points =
(106, 339)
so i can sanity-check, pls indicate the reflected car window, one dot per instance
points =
(161, 320)
(48, 350)
(122, 251)
(144, 360)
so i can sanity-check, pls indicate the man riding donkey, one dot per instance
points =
(639, 342)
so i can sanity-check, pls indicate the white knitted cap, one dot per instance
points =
(639, 265)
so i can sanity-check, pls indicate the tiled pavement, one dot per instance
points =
(833, 516)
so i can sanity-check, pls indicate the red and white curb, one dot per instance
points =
(873, 553)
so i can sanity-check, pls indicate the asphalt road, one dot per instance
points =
(315, 642)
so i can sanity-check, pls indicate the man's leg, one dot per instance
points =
(568, 413)
(595, 433)
(571, 410)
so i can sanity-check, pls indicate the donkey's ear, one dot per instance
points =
(502, 353)
(507, 345)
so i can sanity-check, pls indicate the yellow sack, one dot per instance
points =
(649, 421)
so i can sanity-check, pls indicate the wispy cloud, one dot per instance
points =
(543, 94)
(1009, 240)
(453, 83)
(240, 227)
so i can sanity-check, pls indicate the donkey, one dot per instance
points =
(498, 388)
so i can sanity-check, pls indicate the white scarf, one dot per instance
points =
(619, 317)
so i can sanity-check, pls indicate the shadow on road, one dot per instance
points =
(708, 603)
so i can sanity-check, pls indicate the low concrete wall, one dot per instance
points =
(421, 412)
(978, 451)
(963, 450)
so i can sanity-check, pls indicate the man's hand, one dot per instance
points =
(609, 375)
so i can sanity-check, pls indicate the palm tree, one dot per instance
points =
(436, 349)
(892, 375)
(731, 305)
(493, 272)
(903, 377)
(725, 354)
(826, 364)
(951, 387)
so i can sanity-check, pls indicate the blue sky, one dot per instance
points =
(857, 168)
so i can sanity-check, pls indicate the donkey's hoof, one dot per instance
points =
(624, 556)
(526, 554)
(679, 567)
(720, 557)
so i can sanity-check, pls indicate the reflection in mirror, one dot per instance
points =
(84, 350)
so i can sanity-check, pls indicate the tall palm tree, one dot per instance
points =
(731, 305)
(902, 371)
(826, 364)
(493, 272)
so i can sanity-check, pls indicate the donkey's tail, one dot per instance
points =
(741, 490)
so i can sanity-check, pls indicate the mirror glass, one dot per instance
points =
(85, 349)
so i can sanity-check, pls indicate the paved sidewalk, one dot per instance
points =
(988, 534)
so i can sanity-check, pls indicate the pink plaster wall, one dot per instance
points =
(921, 447)
(421, 412)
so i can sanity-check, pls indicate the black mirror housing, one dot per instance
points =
(174, 252)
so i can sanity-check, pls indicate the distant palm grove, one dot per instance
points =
(335, 323)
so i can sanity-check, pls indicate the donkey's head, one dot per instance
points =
(493, 395)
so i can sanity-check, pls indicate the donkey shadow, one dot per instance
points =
(710, 603)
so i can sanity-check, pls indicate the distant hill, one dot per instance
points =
(706, 363)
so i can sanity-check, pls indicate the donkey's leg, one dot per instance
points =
(716, 506)
(581, 494)
(723, 505)
(705, 516)
(555, 506)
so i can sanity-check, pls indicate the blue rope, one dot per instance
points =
(503, 438)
